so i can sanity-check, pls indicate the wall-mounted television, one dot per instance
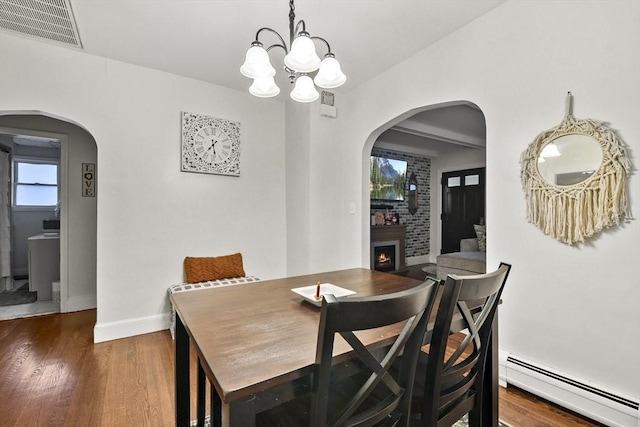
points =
(387, 178)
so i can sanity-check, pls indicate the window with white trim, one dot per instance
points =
(35, 182)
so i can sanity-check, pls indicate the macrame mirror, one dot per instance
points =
(575, 179)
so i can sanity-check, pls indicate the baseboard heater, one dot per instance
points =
(589, 400)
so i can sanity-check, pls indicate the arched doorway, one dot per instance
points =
(440, 138)
(78, 208)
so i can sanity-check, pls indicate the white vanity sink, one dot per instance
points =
(44, 263)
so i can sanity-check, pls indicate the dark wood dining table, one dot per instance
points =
(256, 342)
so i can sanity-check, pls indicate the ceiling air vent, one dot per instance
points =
(44, 19)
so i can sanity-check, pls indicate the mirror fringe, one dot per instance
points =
(574, 213)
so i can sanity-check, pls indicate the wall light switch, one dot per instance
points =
(352, 208)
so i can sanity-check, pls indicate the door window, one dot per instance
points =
(472, 180)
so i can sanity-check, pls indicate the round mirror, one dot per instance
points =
(575, 180)
(569, 159)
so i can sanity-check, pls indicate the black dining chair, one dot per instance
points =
(449, 379)
(372, 394)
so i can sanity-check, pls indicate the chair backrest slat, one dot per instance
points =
(348, 315)
(450, 384)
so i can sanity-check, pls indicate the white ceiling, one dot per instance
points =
(207, 39)
(438, 131)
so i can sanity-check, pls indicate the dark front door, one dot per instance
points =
(462, 206)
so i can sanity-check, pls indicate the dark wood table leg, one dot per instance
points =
(200, 402)
(183, 415)
(216, 408)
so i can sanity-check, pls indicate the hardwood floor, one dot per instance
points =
(51, 374)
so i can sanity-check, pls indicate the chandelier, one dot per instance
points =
(300, 61)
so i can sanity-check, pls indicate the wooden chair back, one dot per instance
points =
(450, 381)
(392, 388)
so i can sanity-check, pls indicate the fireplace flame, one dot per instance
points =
(383, 259)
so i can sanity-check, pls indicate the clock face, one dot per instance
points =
(210, 145)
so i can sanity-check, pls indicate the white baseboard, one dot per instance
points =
(421, 259)
(581, 396)
(502, 368)
(108, 331)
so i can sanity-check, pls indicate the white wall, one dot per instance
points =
(575, 309)
(150, 214)
(298, 196)
(317, 198)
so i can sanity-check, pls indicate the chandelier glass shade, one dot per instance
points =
(304, 90)
(264, 87)
(257, 63)
(300, 61)
(302, 57)
(330, 75)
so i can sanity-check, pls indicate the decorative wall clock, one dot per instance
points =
(210, 145)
